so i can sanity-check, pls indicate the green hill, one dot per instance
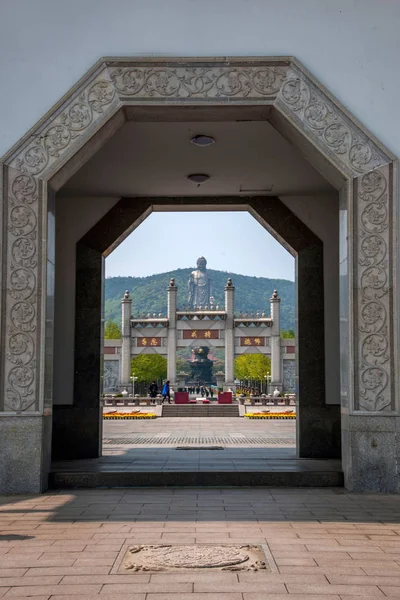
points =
(149, 293)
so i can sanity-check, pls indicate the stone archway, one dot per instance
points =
(77, 428)
(347, 155)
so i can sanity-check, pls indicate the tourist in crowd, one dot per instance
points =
(153, 391)
(166, 393)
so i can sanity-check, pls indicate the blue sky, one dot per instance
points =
(230, 241)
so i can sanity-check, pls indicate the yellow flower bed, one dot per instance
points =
(268, 415)
(131, 415)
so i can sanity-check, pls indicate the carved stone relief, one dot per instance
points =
(302, 102)
(289, 376)
(74, 123)
(326, 125)
(166, 557)
(198, 81)
(111, 377)
(22, 265)
(375, 344)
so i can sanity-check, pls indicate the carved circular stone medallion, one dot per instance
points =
(198, 556)
(202, 556)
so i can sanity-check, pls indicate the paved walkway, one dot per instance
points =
(236, 428)
(326, 544)
(198, 445)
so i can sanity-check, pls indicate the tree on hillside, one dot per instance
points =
(252, 366)
(112, 331)
(149, 367)
(149, 293)
(287, 334)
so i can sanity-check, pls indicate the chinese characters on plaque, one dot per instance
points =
(252, 341)
(201, 334)
(147, 341)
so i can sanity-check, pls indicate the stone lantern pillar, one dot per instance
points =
(181, 380)
(220, 377)
(125, 370)
(276, 359)
(229, 334)
(172, 292)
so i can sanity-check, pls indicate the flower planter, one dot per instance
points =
(224, 397)
(181, 398)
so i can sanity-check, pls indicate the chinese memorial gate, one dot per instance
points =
(194, 325)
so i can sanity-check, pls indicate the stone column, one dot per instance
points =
(172, 292)
(276, 359)
(26, 333)
(229, 334)
(125, 374)
(77, 428)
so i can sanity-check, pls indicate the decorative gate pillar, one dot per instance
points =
(276, 359)
(126, 340)
(172, 292)
(229, 334)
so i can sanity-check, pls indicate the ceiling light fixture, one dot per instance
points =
(202, 140)
(198, 178)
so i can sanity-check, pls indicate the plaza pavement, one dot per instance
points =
(326, 543)
(217, 445)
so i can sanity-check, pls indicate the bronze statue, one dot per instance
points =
(199, 286)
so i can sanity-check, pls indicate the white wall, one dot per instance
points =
(74, 217)
(321, 215)
(352, 46)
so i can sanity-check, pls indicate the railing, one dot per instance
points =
(264, 400)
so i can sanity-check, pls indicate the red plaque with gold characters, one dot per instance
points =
(201, 334)
(252, 341)
(148, 341)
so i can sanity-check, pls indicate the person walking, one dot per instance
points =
(153, 390)
(166, 393)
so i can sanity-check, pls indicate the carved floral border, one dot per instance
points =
(373, 304)
(295, 95)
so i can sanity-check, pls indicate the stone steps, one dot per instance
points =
(200, 410)
(73, 479)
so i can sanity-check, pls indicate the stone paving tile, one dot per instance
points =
(386, 570)
(343, 570)
(365, 580)
(257, 596)
(264, 585)
(47, 597)
(195, 596)
(132, 579)
(321, 590)
(63, 571)
(346, 549)
(30, 581)
(52, 590)
(192, 577)
(130, 596)
(390, 591)
(165, 587)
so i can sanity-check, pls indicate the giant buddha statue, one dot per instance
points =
(199, 286)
